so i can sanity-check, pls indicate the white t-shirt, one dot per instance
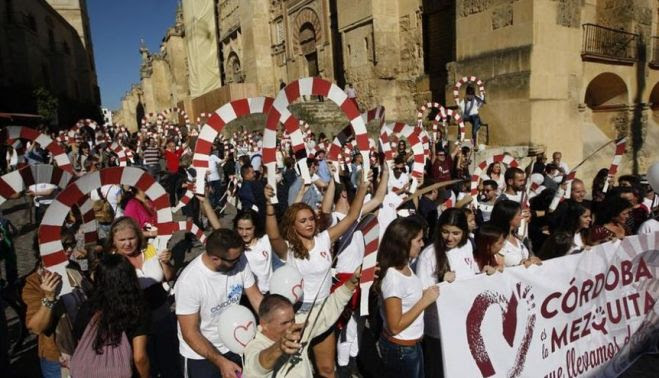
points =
(513, 255)
(259, 258)
(577, 244)
(517, 197)
(213, 162)
(486, 210)
(206, 292)
(650, 226)
(426, 266)
(314, 268)
(651, 203)
(397, 182)
(410, 290)
(352, 255)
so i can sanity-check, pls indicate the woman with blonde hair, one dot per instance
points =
(152, 268)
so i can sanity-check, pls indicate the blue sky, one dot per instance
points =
(116, 28)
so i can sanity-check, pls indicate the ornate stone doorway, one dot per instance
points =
(308, 47)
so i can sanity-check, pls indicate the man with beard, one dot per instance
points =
(212, 282)
(515, 181)
(486, 199)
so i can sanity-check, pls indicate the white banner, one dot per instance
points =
(590, 314)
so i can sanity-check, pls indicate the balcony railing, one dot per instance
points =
(609, 45)
(654, 63)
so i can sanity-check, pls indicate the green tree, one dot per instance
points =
(47, 105)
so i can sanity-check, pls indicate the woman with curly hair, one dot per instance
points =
(311, 253)
(404, 298)
(115, 315)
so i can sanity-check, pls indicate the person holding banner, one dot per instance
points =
(489, 241)
(610, 220)
(508, 215)
(449, 258)
(404, 299)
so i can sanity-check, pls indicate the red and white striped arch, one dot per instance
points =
(506, 159)
(466, 80)
(50, 230)
(59, 155)
(279, 113)
(214, 126)
(412, 134)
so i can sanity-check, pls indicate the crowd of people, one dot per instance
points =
(138, 311)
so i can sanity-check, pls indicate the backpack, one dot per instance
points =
(115, 361)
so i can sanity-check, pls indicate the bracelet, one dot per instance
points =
(48, 304)
(269, 214)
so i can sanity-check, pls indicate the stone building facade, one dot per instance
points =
(565, 74)
(47, 44)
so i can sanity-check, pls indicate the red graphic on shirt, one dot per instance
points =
(242, 333)
(264, 253)
(325, 255)
(509, 326)
(298, 290)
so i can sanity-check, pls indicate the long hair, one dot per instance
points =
(394, 249)
(253, 217)
(490, 169)
(289, 232)
(570, 220)
(487, 235)
(611, 208)
(120, 224)
(503, 213)
(117, 299)
(451, 217)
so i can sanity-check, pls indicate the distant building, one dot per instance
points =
(47, 44)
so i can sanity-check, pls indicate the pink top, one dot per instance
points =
(136, 210)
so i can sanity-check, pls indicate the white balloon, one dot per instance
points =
(236, 327)
(653, 176)
(287, 281)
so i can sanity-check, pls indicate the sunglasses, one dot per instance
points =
(232, 261)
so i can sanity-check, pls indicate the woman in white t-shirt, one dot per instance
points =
(508, 215)
(495, 172)
(310, 253)
(404, 299)
(257, 247)
(449, 258)
(152, 268)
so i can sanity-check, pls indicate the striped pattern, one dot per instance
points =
(508, 160)
(435, 122)
(617, 158)
(412, 135)
(214, 126)
(170, 228)
(371, 231)
(464, 80)
(20, 179)
(20, 132)
(458, 120)
(180, 112)
(50, 244)
(120, 151)
(310, 86)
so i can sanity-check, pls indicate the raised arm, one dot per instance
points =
(355, 209)
(377, 199)
(271, 228)
(209, 211)
(328, 199)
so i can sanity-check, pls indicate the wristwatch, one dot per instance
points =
(48, 304)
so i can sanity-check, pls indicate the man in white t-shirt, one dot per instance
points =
(515, 182)
(213, 281)
(563, 168)
(44, 193)
(399, 179)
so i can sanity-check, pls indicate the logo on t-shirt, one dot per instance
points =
(233, 296)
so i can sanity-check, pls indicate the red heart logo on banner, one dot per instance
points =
(297, 291)
(508, 308)
(241, 333)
